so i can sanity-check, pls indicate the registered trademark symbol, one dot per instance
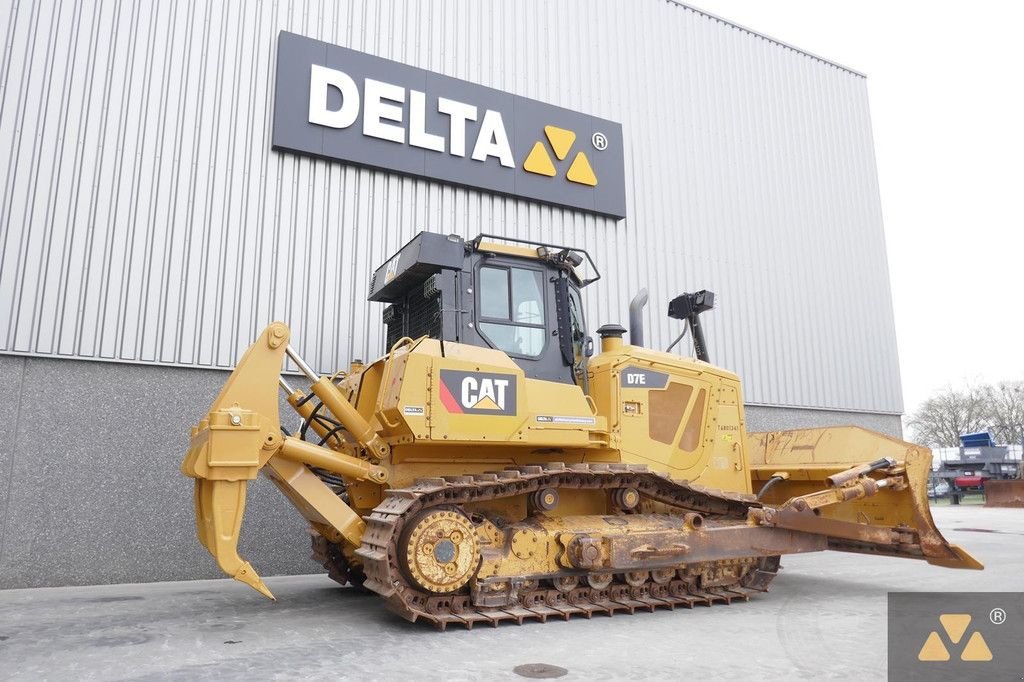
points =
(600, 142)
(997, 616)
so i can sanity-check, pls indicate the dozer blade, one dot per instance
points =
(1008, 493)
(894, 521)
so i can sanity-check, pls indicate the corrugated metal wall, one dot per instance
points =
(145, 218)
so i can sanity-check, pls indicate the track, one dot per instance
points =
(380, 550)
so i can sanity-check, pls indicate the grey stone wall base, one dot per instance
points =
(95, 494)
(90, 491)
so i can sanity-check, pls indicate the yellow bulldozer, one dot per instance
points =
(491, 467)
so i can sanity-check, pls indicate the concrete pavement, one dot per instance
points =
(824, 618)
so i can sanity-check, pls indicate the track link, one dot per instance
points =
(379, 550)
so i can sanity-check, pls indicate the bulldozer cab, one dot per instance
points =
(522, 298)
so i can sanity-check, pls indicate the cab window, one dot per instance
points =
(511, 309)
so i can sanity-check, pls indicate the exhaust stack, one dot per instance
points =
(636, 318)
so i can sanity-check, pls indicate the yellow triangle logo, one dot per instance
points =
(486, 403)
(581, 172)
(539, 162)
(976, 649)
(561, 140)
(955, 625)
(933, 649)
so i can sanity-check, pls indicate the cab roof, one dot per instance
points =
(429, 252)
(571, 258)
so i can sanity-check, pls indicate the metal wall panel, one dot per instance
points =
(145, 218)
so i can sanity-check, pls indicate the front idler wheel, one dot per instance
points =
(441, 550)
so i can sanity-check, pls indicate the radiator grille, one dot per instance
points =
(417, 316)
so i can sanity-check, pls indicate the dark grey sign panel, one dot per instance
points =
(956, 636)
(340, 104)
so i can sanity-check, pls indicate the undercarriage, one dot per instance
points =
(437, 552)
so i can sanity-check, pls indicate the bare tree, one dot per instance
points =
(1005, 411)
(943, 418)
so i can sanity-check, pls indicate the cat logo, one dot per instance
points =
(478, 392)
(955, 625)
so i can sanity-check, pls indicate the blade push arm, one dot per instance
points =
(913, 536)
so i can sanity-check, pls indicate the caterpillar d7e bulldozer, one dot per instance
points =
(490, 466)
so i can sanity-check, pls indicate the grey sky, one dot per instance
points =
(946, 86)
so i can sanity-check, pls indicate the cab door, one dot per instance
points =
(515, 312)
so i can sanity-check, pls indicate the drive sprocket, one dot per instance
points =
(440, 550)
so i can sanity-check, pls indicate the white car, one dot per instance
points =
(938, 488)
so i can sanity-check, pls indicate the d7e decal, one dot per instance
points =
(637, 377)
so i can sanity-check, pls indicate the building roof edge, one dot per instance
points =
(751, 31)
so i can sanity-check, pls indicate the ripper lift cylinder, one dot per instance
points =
(303, 404)
(328, 393)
